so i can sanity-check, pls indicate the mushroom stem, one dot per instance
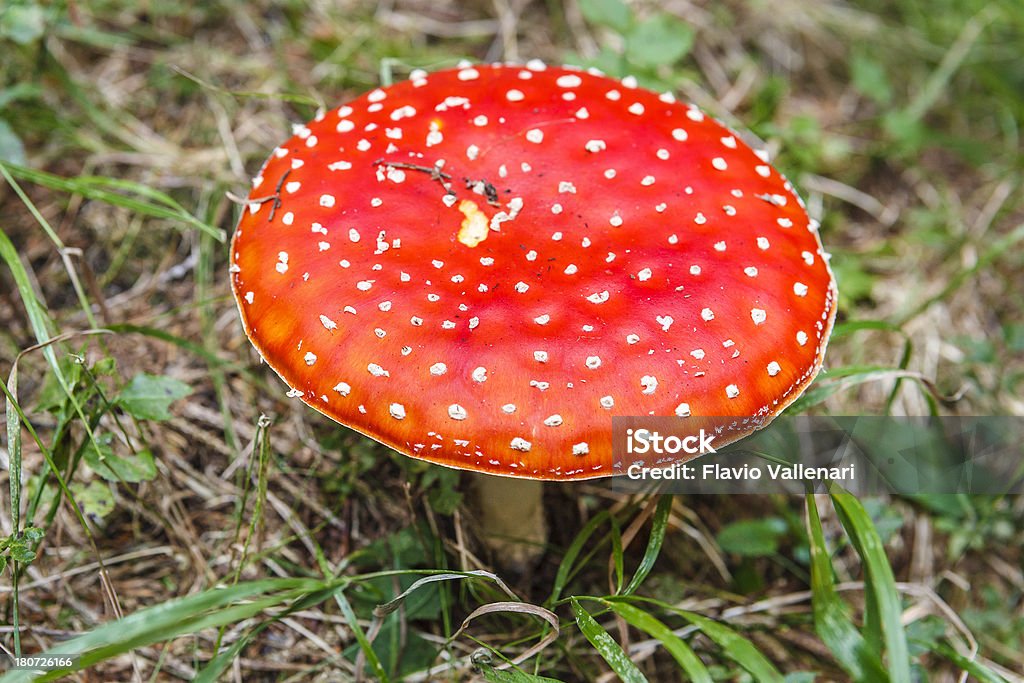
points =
(511, 518)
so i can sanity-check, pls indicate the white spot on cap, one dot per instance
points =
(595, 146)
(469, 74)
(697, 353)
(377, 371)
(632, 338)
(694, 270)
(751, 271)
(758, 315)
(569, 81)
(599, 297)
(679, 134)
(540, 356)
(647, 181)
(397, 411)
(732, 391)
(542, 319)
(343, 388)
(665, 321)
(683, 410)
(514, 95)
(353, 235)
(520, 444)
(719, 164)
(535, 135)
(479, 374)
(762, 243)
(328, 323)
(508, 408)
(800, 289)
(636, 108)
(310, 358)
(774, 368)
(707, 314)
(762, 170)
(801, 337)
(649, 383)
(553, 421)
(593, 362)
(581, 448)
(615, 220)
(339, 166)
(521, 287)
(607, 402)
(784, 222)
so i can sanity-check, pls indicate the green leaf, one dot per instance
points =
(752, 537)
(94, 499)
(11, 148)
(149, 397)
(606, 646)
(662, 39)
(614, 14)
(492, 675)
(971, 666)
(116, 192)
(884, 608)
(131, 468)
(658, 527)
(23, 24)
(831, 617)
(176, 617)
(870, 79)
(571, 553)
(687, 659)
(735, 647)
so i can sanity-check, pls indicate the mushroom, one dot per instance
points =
(480, 266)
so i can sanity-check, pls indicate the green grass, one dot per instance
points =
(138, 424)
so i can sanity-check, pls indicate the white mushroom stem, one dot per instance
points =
(511, 518)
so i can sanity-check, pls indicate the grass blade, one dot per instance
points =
(148, 202)
(177, 617)
(687, 659)
(735, 647)
(606, 645)
(880, 584)
(571, 553)
(831, 618)
(658, 527)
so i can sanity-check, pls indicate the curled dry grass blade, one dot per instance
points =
(517, 608)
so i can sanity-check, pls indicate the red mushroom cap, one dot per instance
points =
(480, 266)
